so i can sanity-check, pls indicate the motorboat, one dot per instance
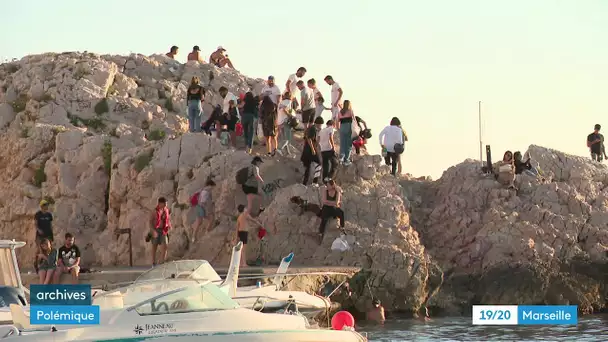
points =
(12, 290)
(196, 312)
(264, 298)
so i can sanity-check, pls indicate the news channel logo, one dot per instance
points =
(62, 305)
(525, 314)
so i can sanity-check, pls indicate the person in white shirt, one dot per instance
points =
(204, 208)
(336, 96)
(230, 115)
(319, 100)
(391, 140)
(271, 90)
(328, 150)
(307, 101)
(284, 116)
(292, 82)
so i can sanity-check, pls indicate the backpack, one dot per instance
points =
(242, 175)
(398, 148)
(194, 199)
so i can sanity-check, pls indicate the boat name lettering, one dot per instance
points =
(155, 329)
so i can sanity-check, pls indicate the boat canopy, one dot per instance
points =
(181, 269)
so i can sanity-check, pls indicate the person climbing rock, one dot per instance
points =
(310, 153)
(243, 227)
(204, 208)
(220, 59)
(392, 139)
(195, 55)
(328, 150)
(248, 119)
(336, 96)
(250, 182)
(595, 143)
(268, 116)
(332, 201)
(291, 85)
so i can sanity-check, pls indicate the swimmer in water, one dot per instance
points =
(426, 316)
(376, 314)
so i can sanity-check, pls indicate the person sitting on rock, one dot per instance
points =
(331, 200)
(46, 262)
(173, 52)
(219, 59)
(69, 260)
(524, 167)
(376, 313)
(505, 174)
(195, 55)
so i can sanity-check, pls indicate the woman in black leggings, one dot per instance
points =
(332, 198)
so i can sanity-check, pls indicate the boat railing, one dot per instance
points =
(13, 331)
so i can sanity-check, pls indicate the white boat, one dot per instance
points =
(190, 310)
(265, 298)
(12, 290)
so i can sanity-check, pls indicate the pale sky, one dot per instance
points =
(539, 67)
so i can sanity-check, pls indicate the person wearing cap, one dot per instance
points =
(291, 84)
(250, 187)
(44, 222)
(271, 90)
(376, 313)
(195, 55)
(595, 142)
(219, 59)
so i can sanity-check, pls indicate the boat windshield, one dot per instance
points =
(9, 275)
(197, 298)
(182, 269)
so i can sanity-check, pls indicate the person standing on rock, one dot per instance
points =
(310, 153)
(195, 55)
(336, 96)
(307, 102)
(271, 90)
(248, 119)
(332, 200)
(319, 100)
(250, 185)
(268, 115)
(195, 98)
(230, 115)
(345, 128)
(173, 52)
(284, 119)
(595, 142)
(291, 85)
(160, 222)
(391, 137)
(328, 150)
(219, 59)
(44, 223)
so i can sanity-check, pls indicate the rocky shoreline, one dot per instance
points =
(102, 137)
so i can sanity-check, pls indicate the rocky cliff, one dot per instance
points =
(102, 137)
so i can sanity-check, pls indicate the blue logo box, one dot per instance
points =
(547, 314)
(64, 314)
(60, 294)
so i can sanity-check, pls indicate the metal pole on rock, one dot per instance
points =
(480, 141)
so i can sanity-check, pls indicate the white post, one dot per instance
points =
(480, 141)
(14, 255)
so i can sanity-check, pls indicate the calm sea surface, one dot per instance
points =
(589, 328)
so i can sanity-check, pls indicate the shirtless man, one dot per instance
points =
(219, 59)
(173, 52)
(243, 223)
(376, 314)
(195, 55)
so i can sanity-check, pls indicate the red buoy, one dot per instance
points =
(342, 319)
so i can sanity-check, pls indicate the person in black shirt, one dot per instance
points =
(44, 220)
(522, 166)
(310, 152)
(595, 142)
(195, 98)
(69, 259)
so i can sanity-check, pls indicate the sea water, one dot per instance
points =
(589, 328)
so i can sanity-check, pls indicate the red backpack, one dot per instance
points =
(194, 199)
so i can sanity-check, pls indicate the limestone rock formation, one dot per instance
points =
(102, 137)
